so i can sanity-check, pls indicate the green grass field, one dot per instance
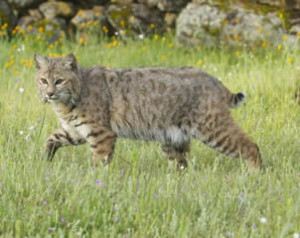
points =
(141, 195)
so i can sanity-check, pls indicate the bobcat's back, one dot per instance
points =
(162, 103)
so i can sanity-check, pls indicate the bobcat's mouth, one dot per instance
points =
(54, 98)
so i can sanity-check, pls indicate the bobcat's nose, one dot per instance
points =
(50, 94)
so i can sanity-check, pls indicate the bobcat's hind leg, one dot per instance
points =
(221, 133)
(178, 153)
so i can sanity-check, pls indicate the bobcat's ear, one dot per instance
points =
(40, 61)
(70, 62)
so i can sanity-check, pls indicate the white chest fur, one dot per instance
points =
(73, 132)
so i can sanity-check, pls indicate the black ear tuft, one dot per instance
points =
(70, 62)
(40, 61)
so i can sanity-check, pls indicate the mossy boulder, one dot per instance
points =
(210, 25)
(53, 9)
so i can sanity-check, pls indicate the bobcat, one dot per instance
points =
(170, 105)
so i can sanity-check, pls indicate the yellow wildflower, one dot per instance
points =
(280, 15)
(200, 62)
(22, 32)
(51, 46)
(290, 60)
(284, 37)
(41, 30)
(279, 47)
(237, 53)
(152, 26)
(4, 26)
(38, 37)
(259, 30)
(264, 44)
(115, 43)
(29, 63)
(105, 29)
(171, 45)
(163, 57)
(29, 28)
(144, 48)
(155, 37)
(122, 22)
(131, 19)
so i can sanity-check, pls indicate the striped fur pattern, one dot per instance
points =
(171, 105)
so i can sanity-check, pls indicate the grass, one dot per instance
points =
(140, 195)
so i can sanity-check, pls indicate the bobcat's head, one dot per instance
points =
(57, 79)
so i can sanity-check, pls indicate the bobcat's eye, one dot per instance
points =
(44, 81)
(58, 81)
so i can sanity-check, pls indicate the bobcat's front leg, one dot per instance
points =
(102, 142)
(58, 139)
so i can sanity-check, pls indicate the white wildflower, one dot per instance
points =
(21, 90)
(263, 220)
(22, 48)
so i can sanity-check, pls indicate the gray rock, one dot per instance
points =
(165, 5)
(94, 19)
(7, 15)
(170, 19)
(144, 17)
(57, 9)
(276, 3)
(137, 19)
(21, 4)
(286, 4)
(208, 25)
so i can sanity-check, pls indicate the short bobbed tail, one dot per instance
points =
(237, 99)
